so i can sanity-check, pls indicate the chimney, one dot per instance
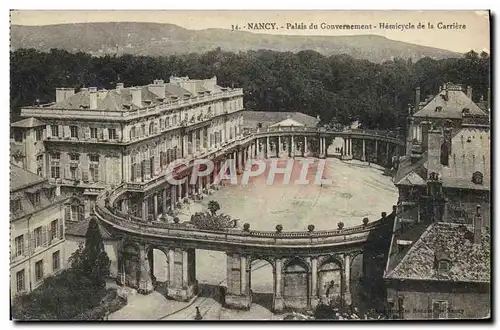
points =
(158, 88)
(93, 98)
(469, 92)
(119, 87)
(63, 93)
(417, 99)
(136, 96)
(425, 135)
(478, 225)
(210, 83)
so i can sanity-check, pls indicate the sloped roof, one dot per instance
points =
(469, 262)
(267, 118)
(28, 123)
(80, 229)
(21, 178)
(451, 106)
(411, 173)
(287, 122)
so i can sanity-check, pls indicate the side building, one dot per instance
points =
(439, 260)
(36, 230)
(92, 139)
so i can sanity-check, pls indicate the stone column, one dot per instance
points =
(124, 205)
(186, 188)
(145, 283)
(126, 167)
(344, 150)
(347, 279)
(376, 151)
(256, 148)
(278, 303)
(363, 156)
(305, 146)
(155, 205)
(314, 283)
(144, 209)
(267, 147)
(237, 293)
(164, 202)
(387, 153)
(173, 196)
(350, 148)
(292, 146)
(279, 146)
(180, 286)
(326, 147)
(179, 193)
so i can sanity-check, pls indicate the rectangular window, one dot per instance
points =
(20, 281)
(36, 198)
(15, 205)
(39, 134)
(74, 213)
(39, 158)
(94, 172)
(74, 157)
(39, 270)
(94, 158)
(54, 130)
(72, 171)
(53, 229)
(93, 133)
(56, 261)
(38, 237)
(112, 133)
(55, 171)
(19, 245)
(439, 309)
(74, 131)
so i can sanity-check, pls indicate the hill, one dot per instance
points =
(154, 39)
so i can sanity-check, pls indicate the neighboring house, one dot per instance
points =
(36, 230)
(439, 259)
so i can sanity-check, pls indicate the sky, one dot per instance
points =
(474, 34)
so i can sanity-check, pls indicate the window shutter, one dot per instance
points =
(138, 169)
(67, 213)
(67, 131)
(78, 174)
(49, 130)
(61, 230)
(60, 131)
(67, 173)
(49, 234)
(26, 244)
(80, 132)
(157, 165)
(86, 133)
(81, 213)
(105, 133)
(44, 236)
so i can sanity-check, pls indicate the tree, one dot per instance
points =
(213, 207)
(91, 260)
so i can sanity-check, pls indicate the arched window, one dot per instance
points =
(477, 177)
(445, 154)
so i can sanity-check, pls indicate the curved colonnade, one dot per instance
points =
(304, 263)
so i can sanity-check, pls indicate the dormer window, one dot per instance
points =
(439, 109)
(477, 177)
(443, 266)
(465, 111)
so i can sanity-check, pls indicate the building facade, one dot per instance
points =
(91, 139)
(439, 259)
(36, 230)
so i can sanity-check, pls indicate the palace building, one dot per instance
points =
(94, 138)
(439, 259)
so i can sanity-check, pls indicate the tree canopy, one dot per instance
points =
(335, 87)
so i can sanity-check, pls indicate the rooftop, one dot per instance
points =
(450, 103)
(469, 262)
(79, 229)
(267, 118)
(21, 178)
(28, 123)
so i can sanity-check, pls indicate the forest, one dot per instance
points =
(339, 88)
